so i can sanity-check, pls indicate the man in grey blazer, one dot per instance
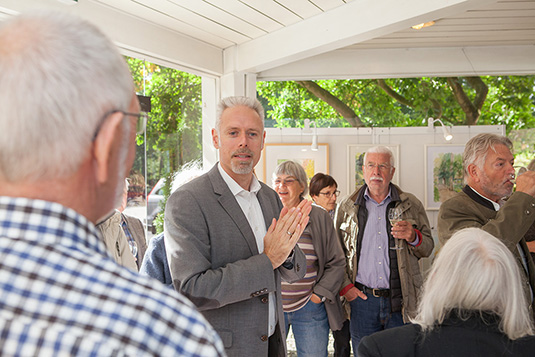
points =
(227, 250)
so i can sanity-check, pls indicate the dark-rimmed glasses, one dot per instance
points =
(141, 122)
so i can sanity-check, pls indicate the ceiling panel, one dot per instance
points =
(247, 13)
(328, 4)
(237, 22)
(302, 8)
(166, 20)
(194, 19)
(274, 10)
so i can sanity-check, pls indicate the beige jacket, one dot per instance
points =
(116, 242)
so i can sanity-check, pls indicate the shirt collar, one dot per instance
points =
(494, 204)
(234, 187)
(48, 223)
(367, 196)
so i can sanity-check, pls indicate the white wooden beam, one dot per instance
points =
(137, 36)
(345, 25)
(410, 62)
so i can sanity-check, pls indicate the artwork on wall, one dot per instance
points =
(355, 154)
(443, 173)
(312, 161)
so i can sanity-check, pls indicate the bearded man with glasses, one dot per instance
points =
(383, 277)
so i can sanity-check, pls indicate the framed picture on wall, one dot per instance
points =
(355, 155)
(312, 161)
(443, 173)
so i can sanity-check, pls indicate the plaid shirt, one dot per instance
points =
(62, 294)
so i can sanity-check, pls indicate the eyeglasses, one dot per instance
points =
(141, 123)
(330, 194)
(286, 182)
(382, 167)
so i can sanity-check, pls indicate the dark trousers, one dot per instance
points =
(342, 338)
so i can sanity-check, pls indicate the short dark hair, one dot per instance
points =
(319, 181)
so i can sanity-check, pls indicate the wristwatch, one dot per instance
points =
(322, 298)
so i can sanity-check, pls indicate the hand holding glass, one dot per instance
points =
(394, 216)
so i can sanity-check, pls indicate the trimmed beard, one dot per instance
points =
(242, 169)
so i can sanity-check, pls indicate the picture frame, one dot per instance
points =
(443, 173)
(355, 158)
(312, 161)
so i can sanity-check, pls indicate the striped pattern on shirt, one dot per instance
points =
(296, 295)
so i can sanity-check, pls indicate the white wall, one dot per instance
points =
(411, 141)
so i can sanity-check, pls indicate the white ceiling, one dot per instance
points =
(307, 39)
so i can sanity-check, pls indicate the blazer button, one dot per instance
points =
(264, 338)
(265, 300)
(298, 267)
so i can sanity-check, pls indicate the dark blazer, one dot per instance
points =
(214, 261)
(455, 337)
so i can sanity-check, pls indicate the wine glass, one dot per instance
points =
(519, 170)
(394, 216)
(133, 248)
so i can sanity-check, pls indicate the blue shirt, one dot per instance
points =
(374, 263)
(61, 293)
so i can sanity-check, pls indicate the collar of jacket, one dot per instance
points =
(477, 198)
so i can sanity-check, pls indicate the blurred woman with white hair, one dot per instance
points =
(473, 304)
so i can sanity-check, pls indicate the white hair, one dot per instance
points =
(188, 172)
(292, 168)
(477, 148)
(381, 150)
(474, 271)
(236, 101)
(59, 75)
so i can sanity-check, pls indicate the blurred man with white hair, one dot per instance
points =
(383, 277)
(67, 129)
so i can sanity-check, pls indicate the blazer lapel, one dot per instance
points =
(233, 209)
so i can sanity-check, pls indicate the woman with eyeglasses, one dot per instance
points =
(311, 305)
(323, 190)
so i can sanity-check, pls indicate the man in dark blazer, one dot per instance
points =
(227, 251)
(488, 202)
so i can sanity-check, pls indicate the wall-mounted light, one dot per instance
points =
(447, 134)
(314, 146)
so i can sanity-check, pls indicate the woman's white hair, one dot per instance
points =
(474, 271)
(59, 75)
(292, 168)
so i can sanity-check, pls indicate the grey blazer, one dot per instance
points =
(214, 261)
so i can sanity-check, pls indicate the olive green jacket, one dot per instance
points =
(347, 226)
(509, 224)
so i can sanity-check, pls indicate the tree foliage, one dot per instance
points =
(507, 100)
(174, 135)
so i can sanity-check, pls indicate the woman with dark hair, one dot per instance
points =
(324, 192)
(311, 305)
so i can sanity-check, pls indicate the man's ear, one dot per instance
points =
(263, 140)
(473, 172)
(215, 138)
(106, 146)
